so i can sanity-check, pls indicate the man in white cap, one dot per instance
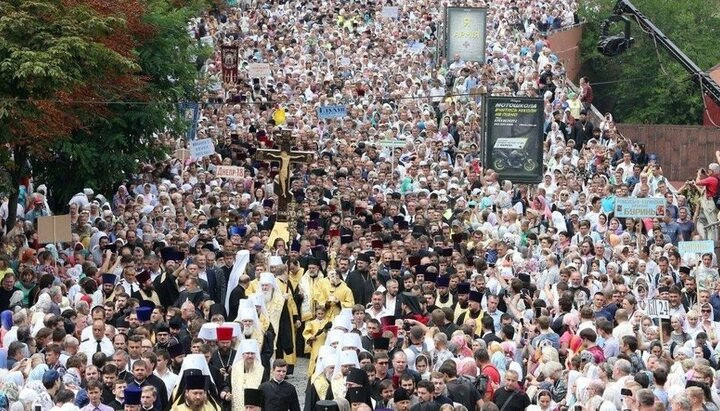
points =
(247, 372)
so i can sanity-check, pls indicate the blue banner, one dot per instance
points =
(328, 112)
(190, 111)
(639, 207)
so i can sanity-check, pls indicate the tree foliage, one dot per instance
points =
(117, 143)
(645, 84)
(87, 85)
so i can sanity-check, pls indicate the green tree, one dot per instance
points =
(109, 149)
(645, 84)
(50, 51)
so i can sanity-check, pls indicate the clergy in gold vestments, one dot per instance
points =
(309, 290)
(314, 334)
(247, 372)
(335, 295)
(289, 317)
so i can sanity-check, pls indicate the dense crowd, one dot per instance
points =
(416, 278)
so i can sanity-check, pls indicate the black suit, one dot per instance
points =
(279, 396)
(216, 285)
(235, 296)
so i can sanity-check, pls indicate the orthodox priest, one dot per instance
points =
(319, 388)
(247, 372)
(282, 312)
(224, 357)
(335, 295)
(474, 311)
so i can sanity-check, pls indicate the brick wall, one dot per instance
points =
(681, 150)
(566, 45)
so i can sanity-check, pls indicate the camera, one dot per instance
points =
(406, 325)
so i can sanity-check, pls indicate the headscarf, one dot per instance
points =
(37, 373)
(461, 345)
(498, 360)
(6, 318)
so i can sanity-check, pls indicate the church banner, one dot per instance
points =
(465, 33)
(514, 138)
(229, 63)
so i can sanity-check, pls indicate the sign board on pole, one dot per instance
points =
(182, 154)
(659, 309)
(230, 172)
(391, 12)
(328, 112)
(258, 70)
(631, 207)
(54, 229)
(696, 247)
(202, 148)
(465, 33)
(391, 143)
(514, 136)
(191, 112)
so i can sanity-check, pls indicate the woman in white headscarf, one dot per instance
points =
(247, 372)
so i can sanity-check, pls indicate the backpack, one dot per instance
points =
(485, 386)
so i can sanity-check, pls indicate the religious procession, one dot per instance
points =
(332, 236)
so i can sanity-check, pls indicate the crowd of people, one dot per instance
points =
(416, 278)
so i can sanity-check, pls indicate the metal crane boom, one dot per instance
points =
(707, 84)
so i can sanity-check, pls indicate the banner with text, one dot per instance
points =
(190, 111)
(229, 55)
(465, 33)
(696, 247)
(514, 138)
(328, 112)
(230, 172)
(632, 207)
(201, 148)
(258, 70)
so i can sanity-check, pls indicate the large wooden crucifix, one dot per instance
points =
(283, 155)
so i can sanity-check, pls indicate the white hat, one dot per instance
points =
(247, 314)
(208, 331)
(267, 278)
(329, 361)
(348, 358)
(248, 345)
(275, 260)
(88, 191)
(350, 340)
(343, 322)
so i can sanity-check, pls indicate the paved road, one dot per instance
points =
(299, 379)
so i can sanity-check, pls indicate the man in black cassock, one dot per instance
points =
(360, 282)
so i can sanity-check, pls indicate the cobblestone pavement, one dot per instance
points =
(299, 379)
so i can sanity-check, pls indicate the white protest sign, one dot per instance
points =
(391, 12)
(659, 309)
(392, 143)
(230, 172)
(258, 70)
(202, 148)
(510, 143)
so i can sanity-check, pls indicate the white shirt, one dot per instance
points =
(384, 312)
(170, 379)
(89, 347)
